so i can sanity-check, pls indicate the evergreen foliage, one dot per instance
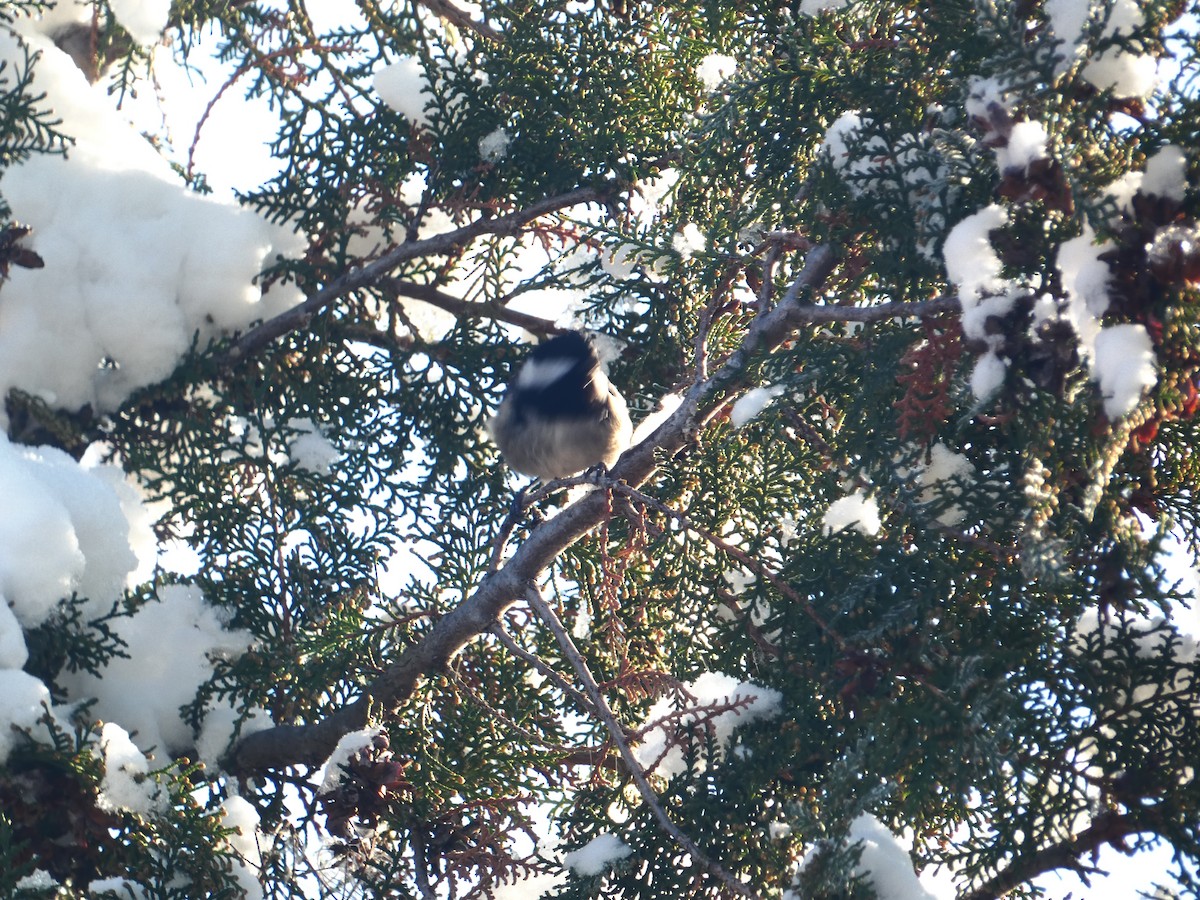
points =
(24, 127)
(1000, 665)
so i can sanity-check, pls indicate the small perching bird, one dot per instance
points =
(561, 414)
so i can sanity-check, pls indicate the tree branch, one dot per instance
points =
(446, 10)
(828, 315)
(468, 309)
(311, 744)
(534, 598)
(300, 315)
(568, 689)
(1107, 828)
(420, 865)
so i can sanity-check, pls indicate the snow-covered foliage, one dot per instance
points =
(139, 264)
(170, 645)
(310, 449)
(404, 86)
(596, 855)
(752, 403)
(127, 782)
(1126, 73)
(716, 705)
(715, 68)
(24, 700)
(946, 477)
(908, 295)
(66, 529)
(857, 510)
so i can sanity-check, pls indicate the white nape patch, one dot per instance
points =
(538, 373)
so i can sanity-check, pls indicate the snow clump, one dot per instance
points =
(597, 855)
(145, 20)
(404, 86)
(67, 528)
(136, 263)
(1126, 73)
(23, 702)
(856, 511)
(714, 69)
(689, 241)
(127, 782)
(310, 449)
(171, 647)
(658, 750)
(748, 406)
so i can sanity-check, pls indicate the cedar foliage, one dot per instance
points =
(933, 674)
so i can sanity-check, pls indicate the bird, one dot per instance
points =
(561, 415)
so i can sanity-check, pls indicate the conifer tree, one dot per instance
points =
(905, 302)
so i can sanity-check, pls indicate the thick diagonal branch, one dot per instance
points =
(469, 309)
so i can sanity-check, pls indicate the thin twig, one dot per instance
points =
(1109, 827)
(535, 599)
(768, 277)
(879, 312)
(510, 644)
(646, 501)
(420, 865)
(259, 63)
(707, 316)
(516, 512)
(446, 10)
(504, 719)
(780, 584)
(468, 309)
